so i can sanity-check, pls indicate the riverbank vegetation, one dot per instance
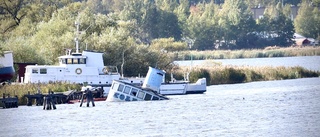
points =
(241, 74)
(253, 53)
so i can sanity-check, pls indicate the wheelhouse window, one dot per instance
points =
(82, 61)
(127, 89)
(69, 61)
(35, 71)
(133, 92)
(63, 61)
(155, 98)
(43, 71)
(147, 97)
(115, 86)
(120, 88)
(140, 94)
(75, 61)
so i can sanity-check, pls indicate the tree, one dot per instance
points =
(168, 26)
(182, 12)
(307, 21)
(12, 13)
(202, 25)
(316, 3)
(275, 27)
(236, 22)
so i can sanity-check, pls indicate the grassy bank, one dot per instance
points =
(22, 89)
(254, 53)
(240, 74)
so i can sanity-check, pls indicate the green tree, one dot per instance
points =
(236, 22)
(307, 21)
(202, 25)
(182, 12)
(11, 14)
(275, 27)
(316, 3)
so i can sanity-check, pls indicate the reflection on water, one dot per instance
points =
(273, 108)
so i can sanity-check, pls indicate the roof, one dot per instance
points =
(304, 41)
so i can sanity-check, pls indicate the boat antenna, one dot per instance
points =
(77, 35)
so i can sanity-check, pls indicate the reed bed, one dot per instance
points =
(219, 74)
(20, 90)
(253, 53)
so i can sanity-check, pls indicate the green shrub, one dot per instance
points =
(200, 73)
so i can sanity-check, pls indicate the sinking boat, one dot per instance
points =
(6, 67)
(123, 91)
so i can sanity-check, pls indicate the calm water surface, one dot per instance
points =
(308, 62)
(273, 108)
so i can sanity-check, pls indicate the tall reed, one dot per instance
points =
(219, 74)
(253, 53)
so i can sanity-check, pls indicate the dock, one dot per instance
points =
(9, 102)
(59, 97)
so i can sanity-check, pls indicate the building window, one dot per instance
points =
(127, 89)
(35, 71)
(120, 88)
(43, 71)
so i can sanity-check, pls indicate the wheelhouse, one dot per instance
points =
(127, 92)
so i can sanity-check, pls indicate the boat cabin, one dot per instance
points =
(86, 67)
(122, 91)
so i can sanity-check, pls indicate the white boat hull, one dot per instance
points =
(184, 88)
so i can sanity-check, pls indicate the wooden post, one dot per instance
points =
(29, 100)
(48, 102)
(82, 97)
(89, 96)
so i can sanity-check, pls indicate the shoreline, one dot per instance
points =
(249, 53)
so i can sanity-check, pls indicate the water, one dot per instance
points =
(308, 62)
(272, 108)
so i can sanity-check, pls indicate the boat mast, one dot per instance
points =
(77, 35)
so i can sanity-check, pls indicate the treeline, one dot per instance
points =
(141, 33)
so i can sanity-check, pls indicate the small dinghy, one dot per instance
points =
(123, 91)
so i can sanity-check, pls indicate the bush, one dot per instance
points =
(200, 73)
(236, 76)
